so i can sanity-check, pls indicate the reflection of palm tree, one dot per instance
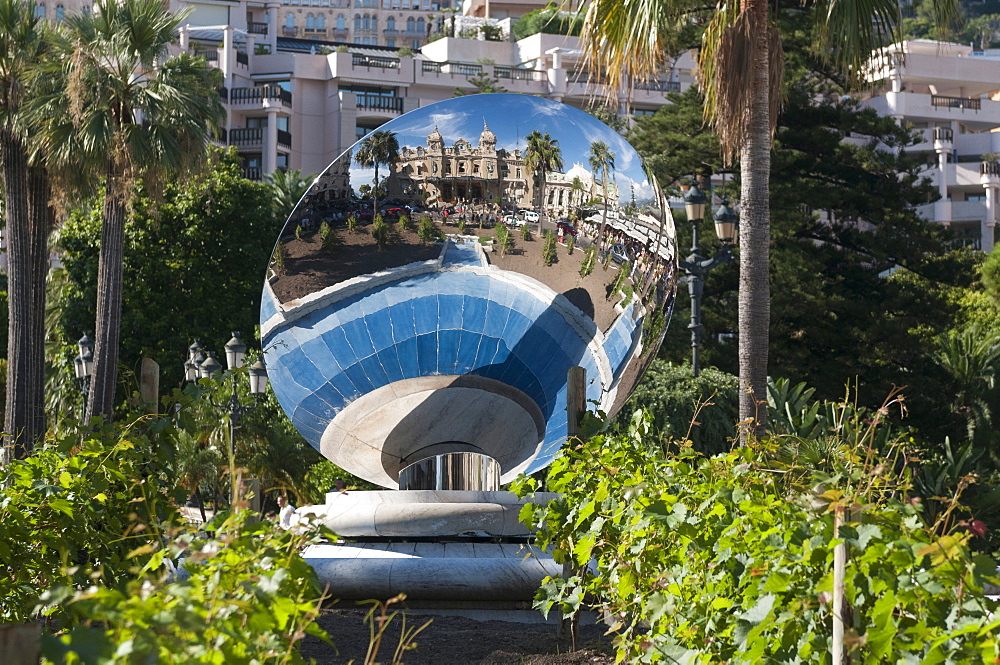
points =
(575, 188)
(602, 159)
(541, 156)
(378, 147)
(287, 188)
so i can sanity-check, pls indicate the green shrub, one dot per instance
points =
(589, 260)
(280, 254)
(332, 241)
(525, 232)
(404, 224)
(461, 226)
(324, 231)
(298, 232)
(504, 241)
(570, 244)
(380, 232)
(352, 224)
(729, 558)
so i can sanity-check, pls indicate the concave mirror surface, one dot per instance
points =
(523, 198)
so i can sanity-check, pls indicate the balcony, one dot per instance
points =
(972, 103)
(516, 74)
(338, 34)
(658, 86)
(377, 61)
(256, 28)
(211, 55)
(259, 96)
(287, 31)
(246, 137)
(285, 139)
(251, 173)
(383, 103)
(448, 67)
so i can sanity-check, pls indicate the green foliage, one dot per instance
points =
(332, 241)
(298, 232)
(202, 236)
(403, 224)
(729, 558)
(589, 261)
(504, 241)
(324, 230)
(426, 231)
(287, 188)
(280, 254)
(570, 244)
(248, 597)
(325, 476)
(380, 232)
(699, 409)
(352, 224)
(405, 52)
(461, 226)
(619, 282)
(525, 232)
(548, 20)
(990, 273)
(79, 510)
(549, 248)
(482, 84)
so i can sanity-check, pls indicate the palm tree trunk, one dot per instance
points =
(754, 295)
(14, 158)
(40, 223)
(109, 300)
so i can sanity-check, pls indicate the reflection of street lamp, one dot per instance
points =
(84, 367)
(203, 365)
(697, 266)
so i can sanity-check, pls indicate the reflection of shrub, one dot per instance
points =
(404, 223)
(549, 248)
(298, 232)
(525, 232)
(504, 240)
(280, 254)
(461, 226)
(331, 241)
(352, 224)
(324, 231)
(570, 244)
(380, 231)
(426, 230)
(589, 259)
(485, 240)
(619, 283)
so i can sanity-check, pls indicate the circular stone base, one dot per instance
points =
(381, 432)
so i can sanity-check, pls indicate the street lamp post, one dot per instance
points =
(84, 367)
(202, 364)
(697, 265)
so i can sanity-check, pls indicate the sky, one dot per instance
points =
(512, 117)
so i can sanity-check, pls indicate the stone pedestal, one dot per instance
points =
(431, 545)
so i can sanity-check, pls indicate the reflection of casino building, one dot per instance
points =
(335, 184)
(462, 172)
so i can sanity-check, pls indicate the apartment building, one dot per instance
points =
(950, 94)
(298, 103)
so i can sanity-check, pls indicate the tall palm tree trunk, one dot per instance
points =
(15, 170)
(40, 224)
(755, 295)
(109, 300)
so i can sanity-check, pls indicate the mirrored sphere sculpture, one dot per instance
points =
(428, 295)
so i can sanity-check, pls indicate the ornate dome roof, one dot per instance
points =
(487, 137)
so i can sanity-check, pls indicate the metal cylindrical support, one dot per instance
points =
(452, 471)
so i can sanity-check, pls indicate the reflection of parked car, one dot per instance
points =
(530, 216)
(565, 229)
(512, 220)
(619, 254)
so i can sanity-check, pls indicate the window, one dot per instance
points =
(310, 22)
(390, 24)
(410, 23)
(60, 12)
(420, 25)
(427, 5)
(366, 22)
(341, 23)
(39, 11)
(643, 112)
(390, 42)
(975, 197)
(321, 22)
(282, 123)
(415, 44)
(289, 20)
(282, 162)
(374, 24)
(257, 123)
(357, 22)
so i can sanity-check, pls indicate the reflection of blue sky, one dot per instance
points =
(512, 117)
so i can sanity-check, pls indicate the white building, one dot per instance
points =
(950, 94)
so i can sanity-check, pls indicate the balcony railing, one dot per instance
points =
(379, 103)
(973, 103)
(390, 32)
(259, 94)
(210, 55)
(430, 67)
(242, 58)
(989, 168)
(251, 172)
(284, 138)
(287, 31)
(243, 137)
(223, 93)
(256, 28)
(944, 134)
(382, 62)
(516, 74)
(658, 86)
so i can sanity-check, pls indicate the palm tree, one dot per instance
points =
(23, 44)
(126, 112)
(287, 189)
(378, 147)
(739, 68)
(971, 357)
(542, 155)
(602, 159)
